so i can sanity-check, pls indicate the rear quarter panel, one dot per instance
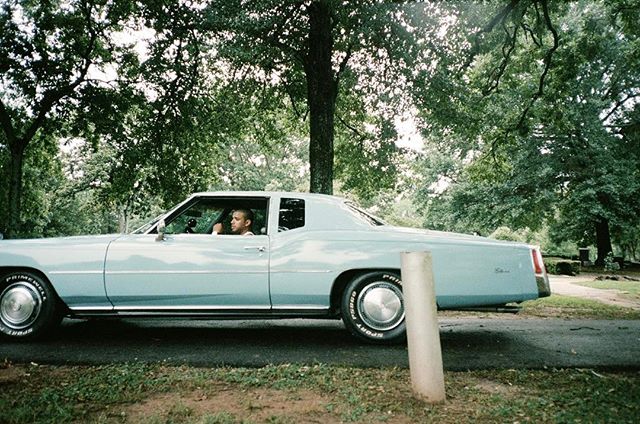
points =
(467, 272)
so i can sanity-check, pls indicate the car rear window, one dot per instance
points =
(291, 214)
(364, 216)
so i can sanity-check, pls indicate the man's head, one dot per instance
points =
(241, 221)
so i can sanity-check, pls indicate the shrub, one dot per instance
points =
(610, 264)
(559, 266)
(506, 233)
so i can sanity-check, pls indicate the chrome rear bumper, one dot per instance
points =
(544, 289)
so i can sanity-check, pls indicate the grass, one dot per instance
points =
(629, 289)
(557, 306)
(156, 393)
(297, 393)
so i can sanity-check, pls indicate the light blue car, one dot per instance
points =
(305, 255)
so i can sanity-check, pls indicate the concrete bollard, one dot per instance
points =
(423, 336)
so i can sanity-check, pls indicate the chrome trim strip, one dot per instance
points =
(301, 308)
(183, 272)
(190, 308)
(282, 271)
(91, 308)
(297, 271)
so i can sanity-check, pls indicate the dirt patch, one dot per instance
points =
(9, 375)
(493, 387)
(232, 404)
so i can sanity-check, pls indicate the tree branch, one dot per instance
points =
(293, 102)
(552, 50)
(497, 19)
(350, 127)
(527, 29)
(51, 97)
(343, 65)
(547, 62)
(271, 37)
(497, 73)
(618, 105)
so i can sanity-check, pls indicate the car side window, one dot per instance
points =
(201, 215)
(196, 219)
(291, 214)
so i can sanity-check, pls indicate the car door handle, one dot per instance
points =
(258, 248)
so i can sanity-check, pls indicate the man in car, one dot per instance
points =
(241, 222)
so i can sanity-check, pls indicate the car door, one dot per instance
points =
(189, 271)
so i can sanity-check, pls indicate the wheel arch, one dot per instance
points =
(341, 281)
(6, 270)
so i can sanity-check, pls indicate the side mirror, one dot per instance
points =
(161, 228)
(1, 236)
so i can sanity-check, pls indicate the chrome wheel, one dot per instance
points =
(380, 306)
(20, 305)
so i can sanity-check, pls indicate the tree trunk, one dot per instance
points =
(15, 187)
(603, 240)
(123, 221)
(321, 97)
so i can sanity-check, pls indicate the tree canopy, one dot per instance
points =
(550, 142)
(528, 110)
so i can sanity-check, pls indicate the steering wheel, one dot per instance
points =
(191, 224)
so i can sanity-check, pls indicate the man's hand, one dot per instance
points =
(218, 228)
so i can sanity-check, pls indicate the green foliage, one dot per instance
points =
(40, 402)
(53, 204)
(540, 237)
(559, 266)
(537, 143)
(263, 148)
(521, 132)
(373, 47)
(52, 56)
(400, 211)
(505, 233)
(367, 161)
(609, 264)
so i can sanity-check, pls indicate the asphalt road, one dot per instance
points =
(466, 344)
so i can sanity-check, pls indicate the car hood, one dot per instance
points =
(60, 241)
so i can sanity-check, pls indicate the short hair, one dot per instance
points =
(248, 214)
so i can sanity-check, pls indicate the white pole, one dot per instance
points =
(423, 336)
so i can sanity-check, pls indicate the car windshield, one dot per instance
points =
(148, 225)
(364, 216)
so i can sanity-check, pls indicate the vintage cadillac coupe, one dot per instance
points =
(311, 256)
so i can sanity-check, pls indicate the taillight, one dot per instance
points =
(538, 264)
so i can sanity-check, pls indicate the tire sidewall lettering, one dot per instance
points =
(15, 333)
(352, 305)
(392, 278)
(16, 278)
